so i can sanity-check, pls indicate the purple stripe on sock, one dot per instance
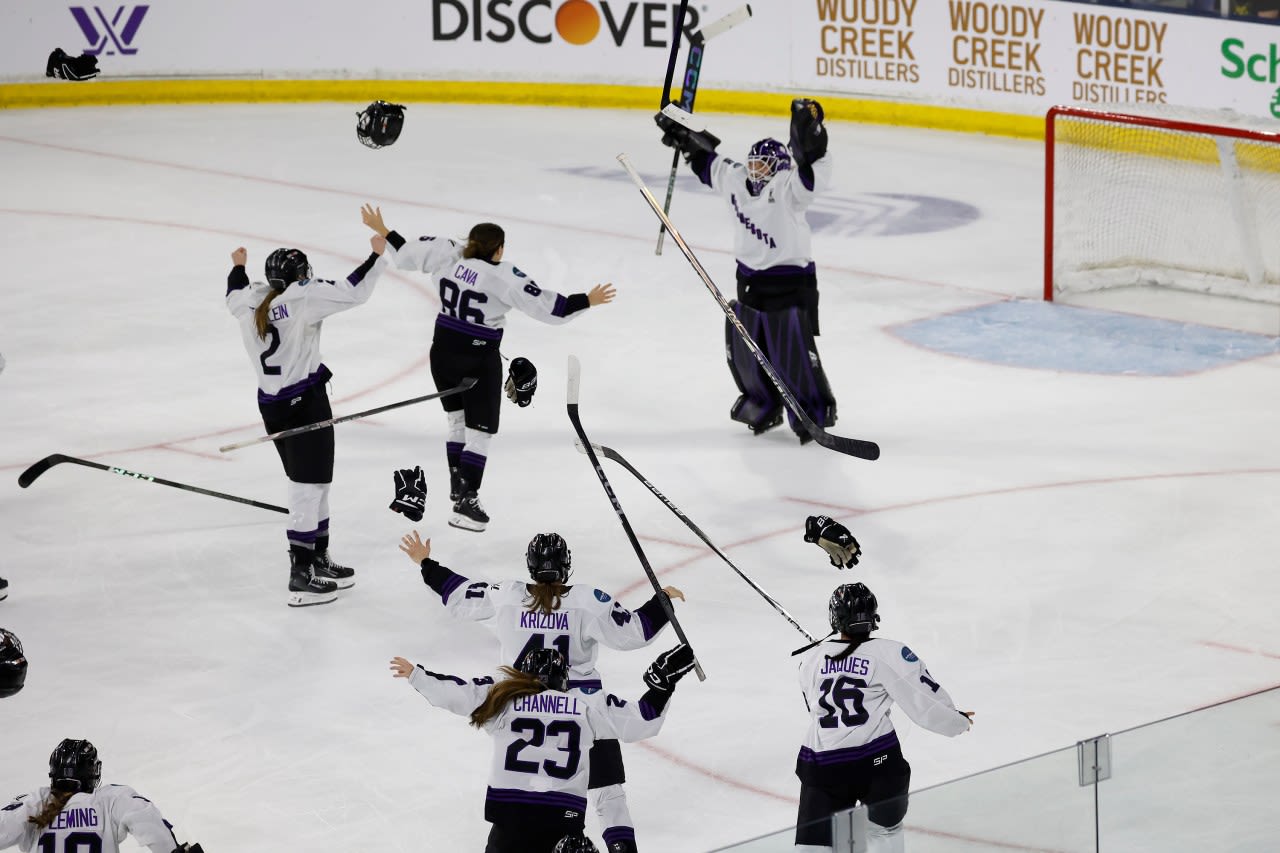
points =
(471, 458)
(302, 537)
(619, 833)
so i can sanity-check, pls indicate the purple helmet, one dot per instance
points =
(765, 159)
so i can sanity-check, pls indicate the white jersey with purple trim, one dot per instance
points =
(287, 360)
(541, 742)
(586, 618)
(98, 821)
(772, 230)
(475, 295)
(849, 700)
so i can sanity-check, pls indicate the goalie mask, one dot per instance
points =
(13, 664)
(74, 766)
(764, 160)
(548, 558)
(285, 266)
(852, 609)
(379, 124)
(548, 666)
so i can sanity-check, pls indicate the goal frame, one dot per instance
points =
(1129, 119)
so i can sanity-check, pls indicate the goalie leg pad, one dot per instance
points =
(759, 406)
(788, 340)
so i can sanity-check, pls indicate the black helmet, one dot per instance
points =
(285, 266)
(548, 558)
(13, 664)
(853, 609)
(379, 124)
(548, 666)
(74, 766)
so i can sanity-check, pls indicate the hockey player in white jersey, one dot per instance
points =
(280, 323)
(777, 281)
(575, 620)
(851, 753)
(477, 288)
(541, 736)
(74, 814)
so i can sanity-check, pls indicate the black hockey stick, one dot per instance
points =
(575, 377)
(610, 453)
(457, 389)
(676, 32)
(27, 477)
(689, 91)
(851, 446)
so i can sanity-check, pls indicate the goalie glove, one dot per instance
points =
(678, 132)
(64, 67)
(808, 133)
(522, 381)
(834, 538)
(411, 493)
(669, 667)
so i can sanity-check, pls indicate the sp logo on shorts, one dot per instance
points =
(571, 814)
(879, 759)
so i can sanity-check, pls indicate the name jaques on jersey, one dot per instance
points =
(97, 822)
(475, 291)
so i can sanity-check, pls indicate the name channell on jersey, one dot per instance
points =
(771, 232)
(287, 360)
(475, 295)
(540, 743)
(97, 822)
(849, 702)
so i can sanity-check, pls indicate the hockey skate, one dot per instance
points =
(468, 514)
(305, 589)
(325, 568)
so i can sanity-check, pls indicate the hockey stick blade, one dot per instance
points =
(27, 477)
(615, 456)
(262, 439)
(728, 22)
(856, 447)
(575, 376)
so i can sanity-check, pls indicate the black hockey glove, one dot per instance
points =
(834, 538)
(522, 381)
(63, 67)
(688, 142)
(670, 667)
(808, 133)
(188, 848)
(411, 493)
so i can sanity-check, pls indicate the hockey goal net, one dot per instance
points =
(1150, 205)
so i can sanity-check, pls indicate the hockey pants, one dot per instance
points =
(786, 340)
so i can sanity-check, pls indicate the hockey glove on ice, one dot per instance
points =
(64, 67)
(835, 539)
(670, 667)
(411, 493)
(522, 381)
(808, 133)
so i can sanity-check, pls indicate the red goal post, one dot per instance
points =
(1167, 199)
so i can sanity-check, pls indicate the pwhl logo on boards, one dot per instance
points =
(573, 21)
(117, 30)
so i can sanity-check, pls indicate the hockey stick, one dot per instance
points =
(689, 91)
(610, 453)
(457, 389)
(575, 377)
(851, 446)
(27, 477)
(675, 51)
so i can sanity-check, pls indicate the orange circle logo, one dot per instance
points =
(577, 21)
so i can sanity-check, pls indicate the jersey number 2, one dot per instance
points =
(271, 369)
(76, 842)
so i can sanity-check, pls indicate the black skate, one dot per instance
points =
(305, 589)
(468, 514)
(325, 568)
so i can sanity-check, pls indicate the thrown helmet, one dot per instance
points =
(379, 124)
(575, 844)
(852, 609)
(764, 160)
(13, 664)
(285, 266)
(548, 666)
(548, 558)
(74, 766)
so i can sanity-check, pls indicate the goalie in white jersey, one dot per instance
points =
(777, 280)
(477, 289)
(541, 734)
(850, 753)
(575, 620)
(280, 325)
(76, 815)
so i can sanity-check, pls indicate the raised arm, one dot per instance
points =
(624, 629)
(643, 719)
(444, 691)
(464, 597)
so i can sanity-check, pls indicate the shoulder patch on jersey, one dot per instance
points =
(908, 655)
(516, 270)
(589, 690)
(602, 596)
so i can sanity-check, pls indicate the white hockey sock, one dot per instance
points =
(885, 839)
(611, 808)
(457, 431)
(305, 503)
